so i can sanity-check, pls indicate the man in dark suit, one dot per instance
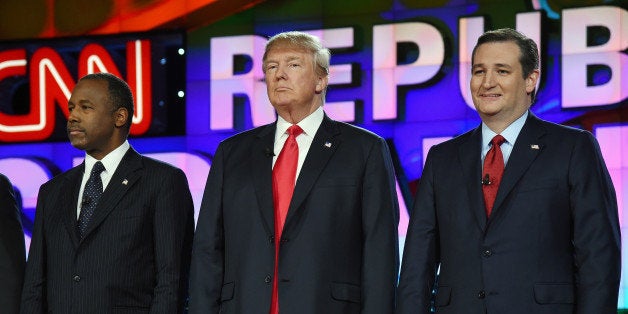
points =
(12, 253)
(550, 242)
(318, 236)
(124, 250)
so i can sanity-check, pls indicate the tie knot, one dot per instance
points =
(98, 168)
(294, 130)
(498, 140)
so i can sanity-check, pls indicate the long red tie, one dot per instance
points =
(492, 173)
(284, 176)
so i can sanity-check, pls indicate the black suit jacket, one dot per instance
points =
(134, 257)
(551, 245)
(12, 253)
(339, 250)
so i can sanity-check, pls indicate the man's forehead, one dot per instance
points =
(89, 91)
(497, 54)
(286, 48)
(286, 51)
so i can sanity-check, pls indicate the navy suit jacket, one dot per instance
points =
(134, 257)
(12, 253)
(551, 245)
(339, 250)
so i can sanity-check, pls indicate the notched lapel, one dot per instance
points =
(527, 147)
(69, 201)
(126, 175)
(325, 143)
(260, 167)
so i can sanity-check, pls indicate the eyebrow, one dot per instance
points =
(80, 102)
(290, 58)
(498, 65)
(503, 65)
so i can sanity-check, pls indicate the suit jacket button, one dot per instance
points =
(481, 294)
(76, 278)
(267, 279)
(487, 253)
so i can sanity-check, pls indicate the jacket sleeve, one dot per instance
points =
(173, 232)
(207, 270)
(33, 293)
(380, 262)
(420, 256)
(596, 236)
(12, 252)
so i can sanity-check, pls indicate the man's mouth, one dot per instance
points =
(490, 95)
(74, 131)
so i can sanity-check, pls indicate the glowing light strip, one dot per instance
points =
(139, 112)
(94, 59)
(42, 99)
(64, 88)
(12, 63)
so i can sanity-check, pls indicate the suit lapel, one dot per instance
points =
(323, 147)
(69, 201)
(260, 168)
(123, 179)
(526, 149)
(469, 154)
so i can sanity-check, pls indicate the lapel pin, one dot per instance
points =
(534, 146)
(125, 181)
(328, 144)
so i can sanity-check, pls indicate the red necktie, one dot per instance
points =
(284, 176)
(492, 173)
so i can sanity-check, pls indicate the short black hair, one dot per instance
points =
(120, 95)
(529, 52)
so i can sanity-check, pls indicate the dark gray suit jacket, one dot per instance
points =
(338, 249)
(12, 253)
(134, 257)
(551, 245)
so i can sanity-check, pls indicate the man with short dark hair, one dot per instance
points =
(113, 234)
(518, 215)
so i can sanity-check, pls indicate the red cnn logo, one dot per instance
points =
(51, 83)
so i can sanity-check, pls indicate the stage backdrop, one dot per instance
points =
(399, 68)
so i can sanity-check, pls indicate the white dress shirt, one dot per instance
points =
(309, 125)
(111, 162)
(510, 134)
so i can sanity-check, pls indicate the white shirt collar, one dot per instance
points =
(309, 125)
(111, 161)
(510, 133)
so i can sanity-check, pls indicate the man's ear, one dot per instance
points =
(121, 116)
(531, 81)
(321, 84)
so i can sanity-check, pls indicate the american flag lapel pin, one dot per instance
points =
(328, 144)
(534, 146)
(125, 182)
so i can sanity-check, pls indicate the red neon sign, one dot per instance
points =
(51, 83)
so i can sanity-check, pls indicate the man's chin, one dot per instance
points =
(78, 144)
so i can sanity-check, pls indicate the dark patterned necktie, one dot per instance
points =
(91, 195)
(493, 171)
